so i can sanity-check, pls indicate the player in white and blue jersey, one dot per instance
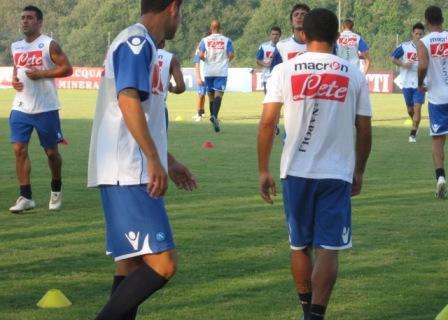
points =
(405, 56)
(266, 52)
(129, 161)
(216, 50)
(432, 52)
(351, 47)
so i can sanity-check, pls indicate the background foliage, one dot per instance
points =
(84, 27)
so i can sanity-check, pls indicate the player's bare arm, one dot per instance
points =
(263, 64)
(134, 117)
(197, 72)
(363, 126)
(16, 84)
(368, 61)
(176, 72)
(423, 61)
(266, 134)
(180, 175)
(62, 69)
(231, 56)
(400, 63)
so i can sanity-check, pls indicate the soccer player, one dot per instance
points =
(432, 52)
(170, 67)
(405, 56)
(38, 60)
(293, 46)
(216, 51)
(201, 90)
(320, 170)
(265, 54)
(350, 46)
(129, 161)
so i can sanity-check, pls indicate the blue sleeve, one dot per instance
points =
(132, 66)
(398, 52)
(230, 47)
(202, 46)
(363, 46)
(276, 59)
(260, 54)
(196, 58)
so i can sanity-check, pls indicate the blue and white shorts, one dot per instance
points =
(47, 125)
(413, 96)
(438, 119)
(136, 224)
(318, 213)
(201, 90)
(216, 84)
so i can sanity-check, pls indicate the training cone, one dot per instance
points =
(179, 119)
(408, 122)
(443, 315)
(208, 145)
(54, 299)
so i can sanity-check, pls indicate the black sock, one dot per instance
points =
(210, 105)
(131, 292)
(117, 280)
(413, 133)
(317, 312)
(216, 106)
(25, 191)
(440, 172)
(56, 185)
(305, 302)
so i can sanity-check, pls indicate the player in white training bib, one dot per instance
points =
(38, 60)
(405, 56)
(265, 54)
(432, 51)
(216, 50)
(327, 115)
(351, 46)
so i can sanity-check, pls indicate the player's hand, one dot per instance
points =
(34, 74)
(357, 184)
(17, 85)
(170, 87)
(199, 82)
(267, 187)
(422, 89)
(181, 176)
(158, 179)
(407, 65)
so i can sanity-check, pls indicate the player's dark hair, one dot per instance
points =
(418, 25)
(276, 28)
(39, 13)
(321, 25)
(156, 5)
(348, 23)
(434, 15)
(298, 6)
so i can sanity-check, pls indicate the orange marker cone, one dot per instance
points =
(208, 145)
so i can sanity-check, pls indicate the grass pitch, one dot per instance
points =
(233, 248)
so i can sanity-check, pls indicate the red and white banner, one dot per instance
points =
(240, 80)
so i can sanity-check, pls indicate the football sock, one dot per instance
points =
(440, 172)
(305, 302)
(25, 191)
(131, 292)
(317, 312)
(413, 133)
(117, 280)
(201, 112)
(211, 107)
(216, 106)
(56, 185)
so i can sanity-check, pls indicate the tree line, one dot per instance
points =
(84, 28)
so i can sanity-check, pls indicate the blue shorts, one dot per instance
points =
(136, 224)
(215, 84)
(438, 119)
(201, 90)
(413, 96)
(318, 213)
(47, 125)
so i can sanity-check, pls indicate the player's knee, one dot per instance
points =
(53, 154)
(167, 269)
(20, 151)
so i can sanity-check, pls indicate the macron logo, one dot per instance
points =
(136, 44)
(133, 239)
(346, 235)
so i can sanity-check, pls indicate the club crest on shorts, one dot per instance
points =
(160, 236)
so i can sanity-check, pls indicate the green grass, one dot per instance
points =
(233, 248)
